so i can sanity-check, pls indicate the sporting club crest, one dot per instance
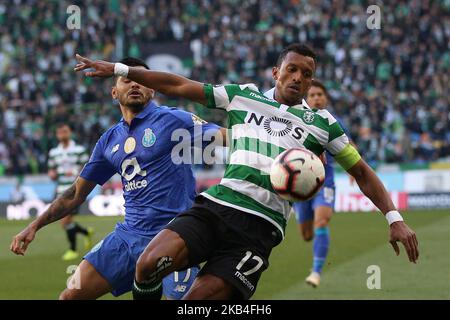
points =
(308, 116)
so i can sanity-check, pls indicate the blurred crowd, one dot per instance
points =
(390, 85)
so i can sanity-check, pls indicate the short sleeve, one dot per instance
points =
(337, 139)
(98, 169)
(338, 144)
(220, 96)
(216, 96)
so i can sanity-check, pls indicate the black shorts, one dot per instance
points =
(235, 245)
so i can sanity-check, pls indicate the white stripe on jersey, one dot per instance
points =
(252, 159)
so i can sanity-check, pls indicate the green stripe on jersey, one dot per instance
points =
(313, 145)
(241, 200)
(236, 117)
(209, 95)
(257, 96)
(232, 90)
(69, 154)
(255, 176)
(335, 131)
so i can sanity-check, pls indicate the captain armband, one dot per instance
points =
(347, 157)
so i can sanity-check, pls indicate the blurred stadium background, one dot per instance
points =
(390, 86)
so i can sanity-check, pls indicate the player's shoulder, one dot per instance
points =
(106, 136)
(54, 151)
(180, 115)
(325, 116)
(234, 88)
(166, 111)
(78, 148)
(170, 111)
(249, 86)
(247, 89)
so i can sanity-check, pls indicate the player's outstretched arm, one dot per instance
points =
(373, 188)
(71, 199)
(166, 83)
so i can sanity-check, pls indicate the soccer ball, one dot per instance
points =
(297, 174)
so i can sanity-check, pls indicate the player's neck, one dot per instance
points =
(129, 114)
(65, 144)
(280, 99)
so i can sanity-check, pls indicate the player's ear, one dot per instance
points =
(114, 92)
(152, 94)
(275, 71)
(310, 85)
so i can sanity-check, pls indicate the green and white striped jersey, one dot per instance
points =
(68, 163)
(262, 128)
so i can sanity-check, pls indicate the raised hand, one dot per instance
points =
(102, 69)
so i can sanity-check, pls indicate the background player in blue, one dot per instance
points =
(155, 190)
(314, 215)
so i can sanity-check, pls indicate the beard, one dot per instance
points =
(136, 105)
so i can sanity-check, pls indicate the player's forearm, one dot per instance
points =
(168, 83)
(61, 207)
(373, 188)
(163, 82)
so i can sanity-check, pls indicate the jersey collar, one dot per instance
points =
(144, 113)
(271, 95)
(147, 110)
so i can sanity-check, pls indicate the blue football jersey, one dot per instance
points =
(155, 188)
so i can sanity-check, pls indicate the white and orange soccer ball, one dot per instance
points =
(297, 174)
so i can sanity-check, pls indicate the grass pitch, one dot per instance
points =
(358, 240)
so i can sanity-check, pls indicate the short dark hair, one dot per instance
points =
(63, 124)
(299, 48)
(317, 83)
(134, 62)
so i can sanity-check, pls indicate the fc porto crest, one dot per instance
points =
(308, 117)
(149, 138)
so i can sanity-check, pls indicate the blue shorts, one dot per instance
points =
(304, 210)
(115, 259)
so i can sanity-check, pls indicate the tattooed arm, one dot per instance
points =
(65, 204)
